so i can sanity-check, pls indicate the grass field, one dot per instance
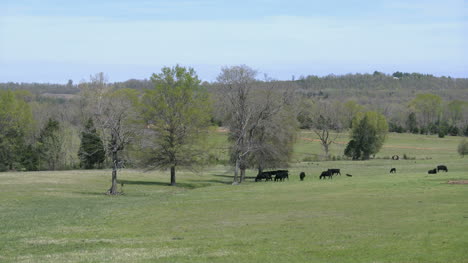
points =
(411, 216)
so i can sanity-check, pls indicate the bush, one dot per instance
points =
(415, 130)
(465, 131)
(441, 134)
(433, 129)
(463, 148)
(3, 167)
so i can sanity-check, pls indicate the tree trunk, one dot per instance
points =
(260, 169)
(325, 148)
(173, 179)
(236, 172)
(242, 174)
(113, 189)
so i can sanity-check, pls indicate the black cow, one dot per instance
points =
(393, 170)
(349, 175)
(433, 171)
(326, 174)
(263, 175)
(280, 175)
(442, 168)
(334, 171)
(302, 175)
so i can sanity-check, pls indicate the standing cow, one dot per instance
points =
(302, 175)
(442, 168)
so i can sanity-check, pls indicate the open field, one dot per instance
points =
(411, 216)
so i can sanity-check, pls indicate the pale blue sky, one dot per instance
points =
(53, 41)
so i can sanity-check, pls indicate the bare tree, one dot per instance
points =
(113, 112)
(325, 123)
(237, 85)
(115, 118)
(248, 114)
(274, 139)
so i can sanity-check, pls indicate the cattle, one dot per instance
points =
(334, 171)
(433, 171)
(302, 175)
(393, 170)
(442, 168)
(264, 175)
(326, 174)
(280, 175)
(349, 175)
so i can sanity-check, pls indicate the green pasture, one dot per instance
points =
(373, 216)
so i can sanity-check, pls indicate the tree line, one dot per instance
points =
(165, 123)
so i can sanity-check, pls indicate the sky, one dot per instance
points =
(54, 41)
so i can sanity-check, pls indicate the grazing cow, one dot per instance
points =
(442, 168)
(280, 175)
(263, 175)
(285, 173)
(393, 170)
(349, 175)
(326, 174)
(433, 171)
(334, 171)
(302, 175)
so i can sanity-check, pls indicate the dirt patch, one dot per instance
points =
(458, 182)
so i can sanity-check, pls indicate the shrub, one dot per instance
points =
(441, 134)
(463, 148)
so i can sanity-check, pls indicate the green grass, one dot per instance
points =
(371, 217)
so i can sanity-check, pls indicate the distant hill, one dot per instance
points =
(364, 88)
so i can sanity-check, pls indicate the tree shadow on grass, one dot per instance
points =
(91, 193)
(211, 182)
(193, 185)
(224, 175)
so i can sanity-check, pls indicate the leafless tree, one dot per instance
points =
(326, 124)
(249, 113)
(116, 121)
(274, 139)
(113, 112)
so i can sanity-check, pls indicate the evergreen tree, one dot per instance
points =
(50, 145)
(367, 135)
(91, 151)
(411, 123)
(30, 158)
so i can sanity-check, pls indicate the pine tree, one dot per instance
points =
(367, 136)
(50, 144)
(91, 151)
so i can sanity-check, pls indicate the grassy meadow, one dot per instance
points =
(410, 216)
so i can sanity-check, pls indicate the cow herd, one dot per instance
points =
(281, 175)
